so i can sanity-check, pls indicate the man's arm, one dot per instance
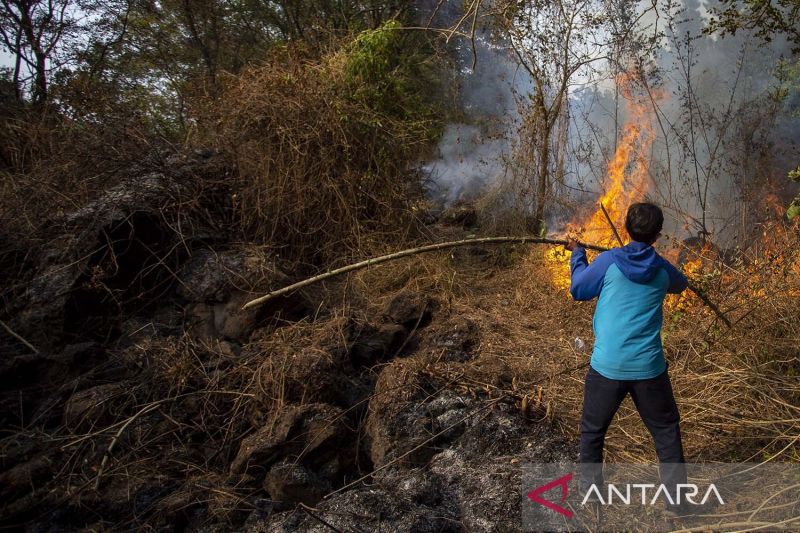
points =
(677, 281)
(587, 279)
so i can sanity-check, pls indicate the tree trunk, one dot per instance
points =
(541, 130)
(40, 84)
(543, 179)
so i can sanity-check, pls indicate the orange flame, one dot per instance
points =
(770, 267)
(628, 174)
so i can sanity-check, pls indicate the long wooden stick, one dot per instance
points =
(611, 223)
(406, 253)
(711, 305)
(443, 246)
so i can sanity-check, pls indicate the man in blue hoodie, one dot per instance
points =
(630, 283)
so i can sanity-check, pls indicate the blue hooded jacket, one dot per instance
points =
(631, 283)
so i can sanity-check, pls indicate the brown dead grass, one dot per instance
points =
(321, 172)
(737, 389)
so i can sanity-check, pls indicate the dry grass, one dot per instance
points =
(185, 415)
(321, 170)
(51, 164)
(737, 389)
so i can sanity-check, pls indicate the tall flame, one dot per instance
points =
(628, 175)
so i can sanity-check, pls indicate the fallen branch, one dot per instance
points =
(443, 246)
(405, 253)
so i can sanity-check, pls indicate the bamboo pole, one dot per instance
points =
(443, 246)
(405, 253)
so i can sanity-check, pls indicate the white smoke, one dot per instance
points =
(474, 154)
(732, 72)
(467, 162)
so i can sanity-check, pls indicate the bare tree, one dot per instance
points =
(714, 108)
(30, 31)
(556, 42)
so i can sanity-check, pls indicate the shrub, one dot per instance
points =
(323, 149)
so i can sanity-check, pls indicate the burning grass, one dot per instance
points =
(737, 388)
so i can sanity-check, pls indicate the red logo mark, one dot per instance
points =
(563, 482)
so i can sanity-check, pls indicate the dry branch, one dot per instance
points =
(18, 337)
(611, 223)
(405, 253)
(443, 246)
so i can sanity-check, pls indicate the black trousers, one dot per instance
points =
(655, 402)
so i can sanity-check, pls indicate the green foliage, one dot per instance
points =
(158, 57)
(392, 73)
(323, 149)
(373, 55)
(794, 207)
(767, 18)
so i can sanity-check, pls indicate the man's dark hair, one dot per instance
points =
(644, 222)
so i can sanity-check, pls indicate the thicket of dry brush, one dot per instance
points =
(323, 150)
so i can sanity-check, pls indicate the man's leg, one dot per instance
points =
(655, 402)
(601, 399)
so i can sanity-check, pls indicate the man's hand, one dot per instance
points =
(571, 244)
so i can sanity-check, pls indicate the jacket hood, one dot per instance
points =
(637, 261)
